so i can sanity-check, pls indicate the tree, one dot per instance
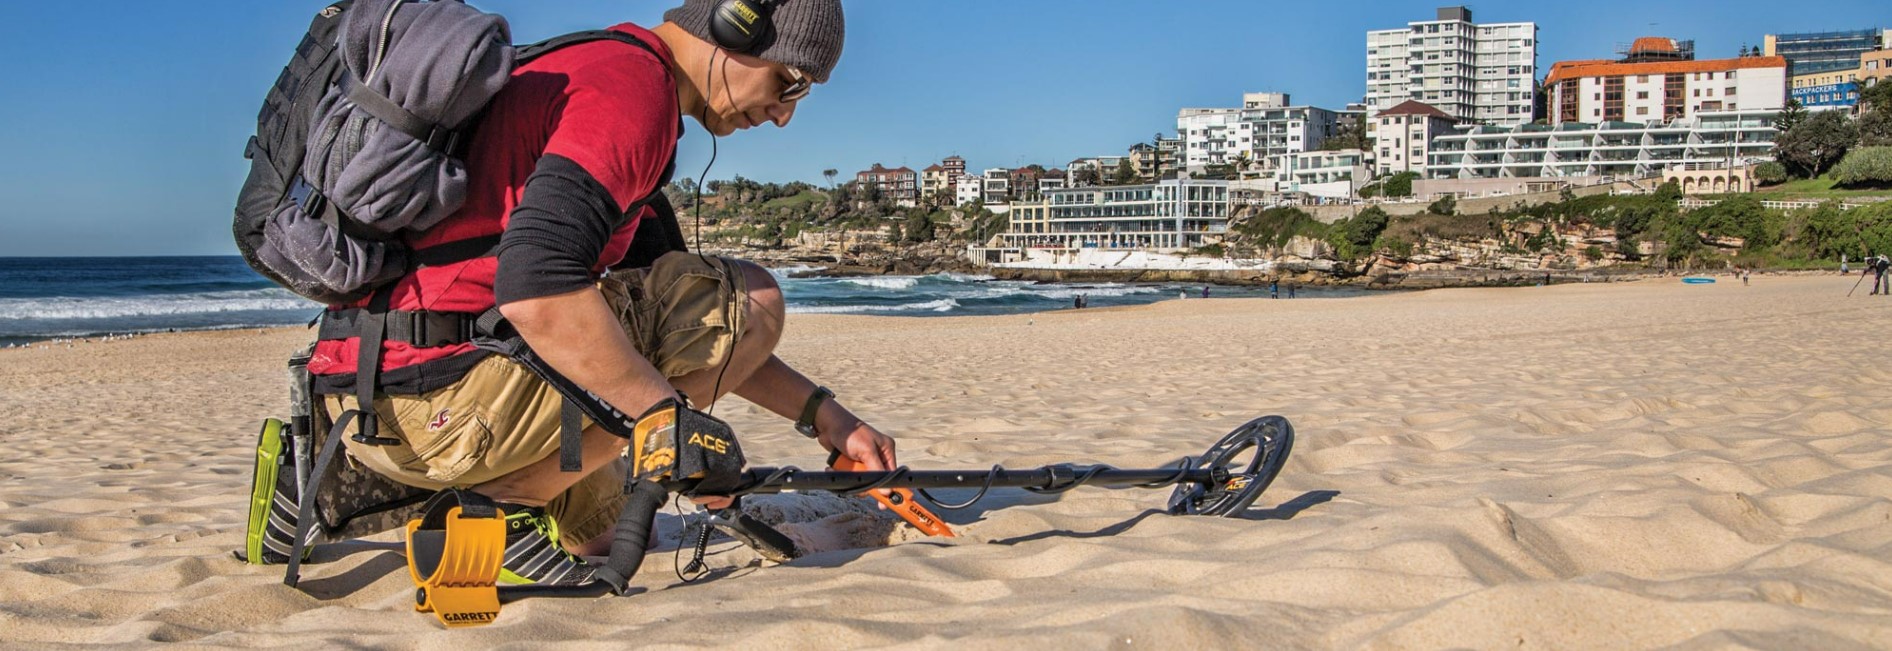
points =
(1349, 135)
(830, 173)
(1156, 156)
(1865, 166)
(1815, 144)
(1875, 126)
(1399, 185)
(1126, 175)
(1791, 116)
(1242, 163)
(1877, 97)
(1085, 177)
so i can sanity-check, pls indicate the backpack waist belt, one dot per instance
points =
(423, 329)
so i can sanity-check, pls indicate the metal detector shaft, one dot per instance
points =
(1053, 477)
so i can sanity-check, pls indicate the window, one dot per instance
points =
(1642, 110)
(1642, 94)
(1640, 79)
(1697, 92)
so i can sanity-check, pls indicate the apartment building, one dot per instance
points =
(1817, 52)
(1334, 174)
(900, 184)
(1403, 135)
(1704, 140)
(1265, 127)
(1875, 67)
(1479, 72)
(968, 188)
(996, 186)
(935, 184)
(1642, 89)
(1211, 136)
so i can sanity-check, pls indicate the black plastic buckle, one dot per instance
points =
(366, 423)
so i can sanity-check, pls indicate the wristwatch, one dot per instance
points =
(807, 423)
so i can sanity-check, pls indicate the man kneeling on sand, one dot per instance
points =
(575, 137)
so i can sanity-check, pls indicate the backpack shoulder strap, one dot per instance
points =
(525, 53)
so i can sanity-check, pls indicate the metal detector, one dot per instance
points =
(455, 574)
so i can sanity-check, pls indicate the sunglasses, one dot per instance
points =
(798, 86)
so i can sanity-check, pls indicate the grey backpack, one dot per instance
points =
(358, 144)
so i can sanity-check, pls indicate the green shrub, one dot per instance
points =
(1593, 253)
(1446, 205)
(1275, 226)
(1865, 166)
(1399, 185)
(1739, 216)
(1353, 237)
(1770, 173)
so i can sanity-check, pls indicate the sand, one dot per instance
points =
(1637, 465)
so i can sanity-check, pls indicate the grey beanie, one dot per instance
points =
(808, 33)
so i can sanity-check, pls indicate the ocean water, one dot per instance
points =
(52, 298)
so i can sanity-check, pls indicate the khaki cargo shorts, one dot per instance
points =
(684, 313)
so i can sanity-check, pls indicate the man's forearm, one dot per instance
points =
(577, 334)
(783, 391)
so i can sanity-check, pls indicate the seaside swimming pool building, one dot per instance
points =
(1170, 215)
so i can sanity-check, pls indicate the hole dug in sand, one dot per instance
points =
(824, 522)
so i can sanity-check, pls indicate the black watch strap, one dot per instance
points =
(808, 410)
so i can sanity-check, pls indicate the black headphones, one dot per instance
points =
(743, 26)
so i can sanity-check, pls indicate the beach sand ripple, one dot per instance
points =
(1641, 465)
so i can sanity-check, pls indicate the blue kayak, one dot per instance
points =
(1697, 280)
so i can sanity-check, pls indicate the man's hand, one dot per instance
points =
(863, 444)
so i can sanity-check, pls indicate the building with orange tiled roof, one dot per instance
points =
(900, 184)
(1648, 87)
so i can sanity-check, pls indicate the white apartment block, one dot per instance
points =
(1486, 72)
(1173, 214)
(1211, 136)
(1705, 140)
(1289, 129)
(1266, 126)
(1662, 91)
(997, 185)
(1331, 174)
(968, 188)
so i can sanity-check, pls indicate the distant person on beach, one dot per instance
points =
(577, 136)
(1274, 289)
(1205, 291)
(1290, 290)
(1878, 267)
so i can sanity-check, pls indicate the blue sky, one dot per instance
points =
(122, 123)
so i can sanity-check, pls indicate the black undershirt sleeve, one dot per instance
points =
(556, 234)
